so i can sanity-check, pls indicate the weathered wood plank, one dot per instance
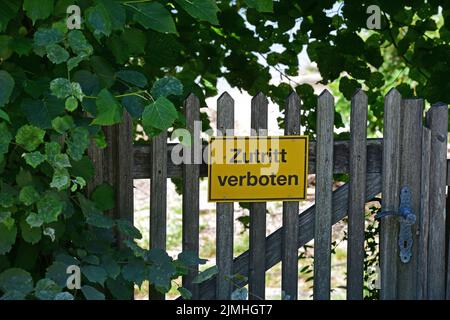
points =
(224, 211)
(423, 223)
(410, 166)
(438, 123)
(191, 186)
(391, 189)
(124, 179)
(357, 198)
(305, 233)
(257, 248)
(158, 199)
(324, 189)
(341, 161)
(289, 261)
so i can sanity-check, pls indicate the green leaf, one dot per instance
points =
(348, 87)
(46, 289)
(206, 275)
(167, 86)
(28, 195)
(64, 296)
(93, 215)
(5, 138)
(4, 116)
(132, 77)
(62, 124)
(159, 275)
(6, 219)
(30, 234)
(91, 293)
(44, 37)
(134, 105)
(135, 271)
(78, 143)
(30, 137)
(185, 293)
(153, 15)
(79, 44)
(99, 21)
(49, 207)
(61, 179)
(34, 158)
(190, 258)
(63, 88)
(38, 9)
(109, 110)
(71, 104)
(34, 220)
(127, 229)
(57, 273)
(9, 11)
(56, 53)
(6, 87)
(111, 266)
(260, 5)
(7, 238)
(16, 279)
(103, 196)
(205, 10)
(160, 114)
(94, 274)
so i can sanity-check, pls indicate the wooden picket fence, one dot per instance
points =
(410, 154)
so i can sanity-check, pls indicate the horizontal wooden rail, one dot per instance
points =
(142, 159)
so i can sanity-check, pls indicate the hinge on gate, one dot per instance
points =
(407, 219)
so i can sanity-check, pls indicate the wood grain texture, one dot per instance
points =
(257, 245)
(191, 185)
(438, 123)
(305, 233)
(324, 189)
(391, 189)
(410, 167)
(357, 197)
(423, 222)
(289, 261)
(224, 211)
(158, 199)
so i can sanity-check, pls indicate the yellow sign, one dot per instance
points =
(257, 168)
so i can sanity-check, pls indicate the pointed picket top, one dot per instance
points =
(326, 96)
(225, 98)
(260, 97)
(437, 110)
(192, 98)
(292, 98)
(393, 94)
(359, 94)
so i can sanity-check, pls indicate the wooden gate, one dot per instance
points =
(410, 155)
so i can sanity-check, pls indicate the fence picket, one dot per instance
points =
(191, 186)
(422, 259)
(289, 261)
(357, 197)
(410, 166)
(158, 199)
(257, 263)
(390, 190)
(324, 194)
(224, 214)
(438, 123)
